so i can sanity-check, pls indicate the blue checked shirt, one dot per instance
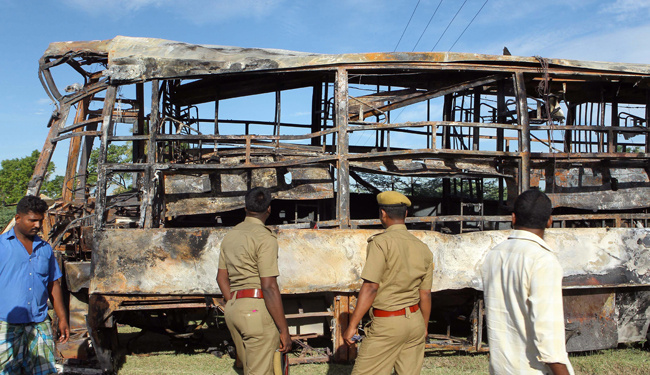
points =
(24, 279)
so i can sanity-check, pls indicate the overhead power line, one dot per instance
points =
(407, 25)
(447, 28)
(428, 23)
(467, 27)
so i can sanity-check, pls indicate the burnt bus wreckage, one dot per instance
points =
(206, 123)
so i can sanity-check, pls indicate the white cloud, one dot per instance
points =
(628, 9)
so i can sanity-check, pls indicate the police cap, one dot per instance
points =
(393, 198)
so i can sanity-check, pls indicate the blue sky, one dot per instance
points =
(584, 30)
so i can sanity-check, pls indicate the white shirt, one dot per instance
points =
(522, 281)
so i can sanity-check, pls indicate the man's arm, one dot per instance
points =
(425, 307)
(273, 301)
(367, 296)
(56, 296)
(558, 368)
(547, 315)
(224, 283)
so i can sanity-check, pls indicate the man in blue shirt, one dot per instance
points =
(29, 274)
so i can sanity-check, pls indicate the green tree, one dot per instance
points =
(16, 173)
(115, 154)
(53, 188)
(6, 214)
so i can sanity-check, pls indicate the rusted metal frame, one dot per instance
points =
(278, 114)
(490, 66)
(432, 95)
(138, 129)
(594, 128)
(570, 121)
(436, 152)
(166, 306)
(343, 164)
(590, 155)
(40, 169)
(404, 128)
(193, 137)
(316, 112)
(436, 219)
(82, 173)
(247, 159)
(363, 182)
(524, 132)
(647, 120)
(611, 134)
(481, 317)
(433, 172)
(129, 138)
(45, 76)
(343, 307)
(76, 135)
(209, 167)
(359, 126)
(309, 315)
(149, 187)
(107, 120)
(253, 122)
(216, 120)
(501, 108)
(80, 125)
(488, 218)
(87, 91)
(477, 117)
(601, 119)
(73, 153)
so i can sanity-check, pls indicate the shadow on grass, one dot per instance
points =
(148, 343)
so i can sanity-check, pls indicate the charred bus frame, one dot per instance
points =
(579, 130)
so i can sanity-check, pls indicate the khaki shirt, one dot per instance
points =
(522, 281)
(249, 251)
(401, 264)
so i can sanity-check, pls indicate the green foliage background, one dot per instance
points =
(14, 178)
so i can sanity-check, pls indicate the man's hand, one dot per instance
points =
(349, 332)
(56, 296)
(285, 342)
(273, 302)
(64, 331)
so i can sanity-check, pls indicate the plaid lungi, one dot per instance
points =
(26, 348)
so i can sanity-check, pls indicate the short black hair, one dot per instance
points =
(31, 203)
(395, 212)
(532, 209)
(258, 199)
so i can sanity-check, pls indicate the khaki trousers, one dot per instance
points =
(255, 335)
(396, 341)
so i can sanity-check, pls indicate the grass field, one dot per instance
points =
(156, 354)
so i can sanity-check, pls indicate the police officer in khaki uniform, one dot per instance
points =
(248, 269)
(397, 280)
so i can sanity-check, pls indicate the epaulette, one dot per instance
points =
(371, 238)
(273, 232)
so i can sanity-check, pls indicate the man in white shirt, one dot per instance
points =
(522, 281)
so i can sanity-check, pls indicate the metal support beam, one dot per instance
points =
(73, 152)
(524, 133)
(343, 164)
(44, 158)
(149, 187)
(316, 112)
(107, 119)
